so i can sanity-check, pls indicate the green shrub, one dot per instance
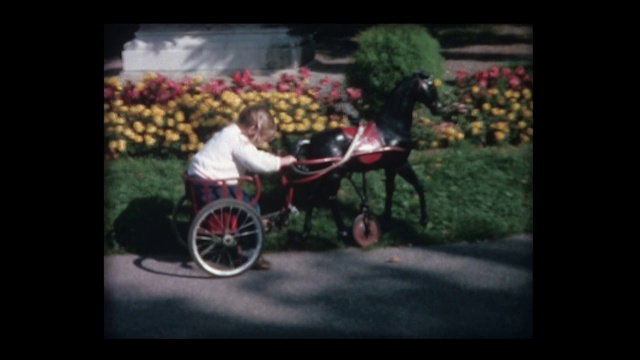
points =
(388, 53)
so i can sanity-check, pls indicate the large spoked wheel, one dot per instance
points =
(366, 230)
(226, 237)
(180, 220)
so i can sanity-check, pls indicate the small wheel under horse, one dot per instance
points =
(366, 230)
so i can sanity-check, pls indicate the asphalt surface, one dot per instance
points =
(481, 290)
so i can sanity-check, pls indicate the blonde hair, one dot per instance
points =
(258, 115)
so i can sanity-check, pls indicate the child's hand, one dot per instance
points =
(287, 160)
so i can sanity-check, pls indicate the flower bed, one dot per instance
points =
(490, 107)
(161, 117)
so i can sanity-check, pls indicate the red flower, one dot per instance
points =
(506, 71)
(461, 75)
(266, 86)
(287, 77)
(482, 83)
(354, 93)
(335, 84)
(520, 71)
(108, 93)
(482, 75)
(335, 94)
(324, 81)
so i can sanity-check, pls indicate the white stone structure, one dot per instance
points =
(176, 50)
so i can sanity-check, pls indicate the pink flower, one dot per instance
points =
(494, 71)
(354, 93)
(461, 75)
(482, 83)
(520, 71)
(514, 81)
(324, 81)
(335, 94)
(283, 86)
(335, 84)
(506, 71)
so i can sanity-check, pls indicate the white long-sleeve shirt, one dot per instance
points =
(230, 154)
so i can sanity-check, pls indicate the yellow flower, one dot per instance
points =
(317, 126)
(333, 124)
(493, 91)
(197, 79)
(515, 106)
(475, 89)
(459, 136)
(158, 120)
(477, 124)
(508, 93)
(139, 86)
(138, 127)
(151, 129)
(437, 82)
(501, 100)
(171, 122)
(425, 120)
(495, 111)
(499, 135)
(524, 138)
(193, 138)
(511, 116)
(475, 131)
(522, 124)
(122, 145)
(434, 144)
(113, 144)
(486, 106)
(138, 138)
(149, 140)
(530, 131)
(475, 112)
(179, 116)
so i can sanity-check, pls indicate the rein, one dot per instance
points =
(345, 158)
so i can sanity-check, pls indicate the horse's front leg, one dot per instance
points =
(308, 209)
(390, 186)
(331, 191)
(406, 172)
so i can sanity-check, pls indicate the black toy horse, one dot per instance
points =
(391, 128)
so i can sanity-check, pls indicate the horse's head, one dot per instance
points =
(427, 93)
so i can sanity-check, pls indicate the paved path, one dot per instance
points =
(464, 290)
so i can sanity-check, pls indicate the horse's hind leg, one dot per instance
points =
(390, 186)
(407, 173)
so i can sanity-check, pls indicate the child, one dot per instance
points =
(232, 151)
